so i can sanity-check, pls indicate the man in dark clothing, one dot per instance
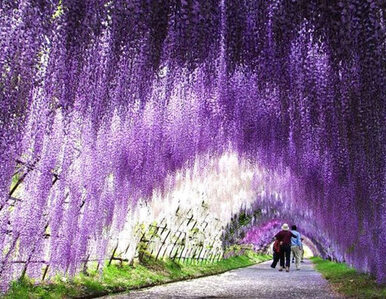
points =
(284, 237)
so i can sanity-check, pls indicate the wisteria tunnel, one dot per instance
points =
(169, 123)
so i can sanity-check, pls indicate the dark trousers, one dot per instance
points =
(276, 257)
(285, 255)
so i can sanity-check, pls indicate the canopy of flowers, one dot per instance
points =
(102, 101)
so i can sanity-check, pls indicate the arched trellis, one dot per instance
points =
(115, 97)
(259, 223)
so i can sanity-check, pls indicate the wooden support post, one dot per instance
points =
(45, 272)
(194, 254)
(189, 220)
(214, 255)
(211, 248)
(163, 243)
(187, 255)
(112, 256)
(127, 248)
(175, 234)
(206, 256)
(163, 229)
(178, 238)
(56, 178)
(182, 251)
(98, 265)
(163, 255)
(152, 236)
(33, 251)
(85, 264)
(199, 254)
(24, 271)
(29, 168)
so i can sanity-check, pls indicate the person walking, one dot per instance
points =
(284, 238)
(276, 253)
(296, 246)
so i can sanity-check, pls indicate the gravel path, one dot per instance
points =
(258, 281)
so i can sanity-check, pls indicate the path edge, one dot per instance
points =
(125, 290)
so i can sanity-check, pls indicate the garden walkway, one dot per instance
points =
(258, 281)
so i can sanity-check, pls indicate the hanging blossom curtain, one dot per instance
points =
(101, 100)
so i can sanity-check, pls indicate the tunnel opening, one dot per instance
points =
(309, 252)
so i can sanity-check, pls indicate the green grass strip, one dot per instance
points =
(116, 278)
(347, 281)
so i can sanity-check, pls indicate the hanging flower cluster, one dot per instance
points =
(101, 101)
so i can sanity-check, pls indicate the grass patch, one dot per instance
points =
(348, 281)
(116, 278)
